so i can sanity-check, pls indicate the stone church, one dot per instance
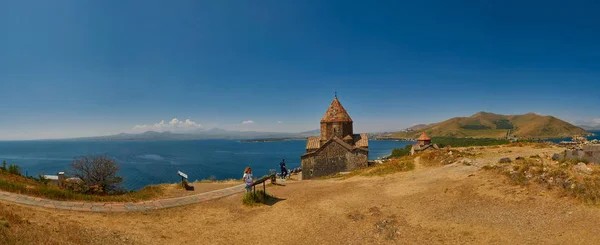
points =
(423, 144)
(338, 149)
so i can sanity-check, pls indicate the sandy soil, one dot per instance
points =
(452, 204)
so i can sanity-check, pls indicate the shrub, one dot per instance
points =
(438, 158)
(97, 171)
(4, 165)
(12, 186)
(390, 167)
(562, 178)
(43, 179)
(254, 198)
(400, 152)
(14, 169)
(464, 142)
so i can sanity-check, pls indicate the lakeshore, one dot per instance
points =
(155, 162)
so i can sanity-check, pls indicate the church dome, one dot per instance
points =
(336, 113)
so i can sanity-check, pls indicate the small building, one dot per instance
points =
(337, 149)
(423, 144)
(57, 179)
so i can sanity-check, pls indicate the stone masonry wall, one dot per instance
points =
(590, 153)
(333, 159)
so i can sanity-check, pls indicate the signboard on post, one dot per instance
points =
(182, 174)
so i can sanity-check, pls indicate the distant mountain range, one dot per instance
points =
(490, 125)
(214, 133)
(590, 128)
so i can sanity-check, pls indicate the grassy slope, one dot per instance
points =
(485, 125)
(22, 185)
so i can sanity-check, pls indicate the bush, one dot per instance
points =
(43, 179)
(562, 178)
(14, 169)
(400, 152)
(12, 186)
(254, 198)
(97, 171)
(390, 167)
(464, 142)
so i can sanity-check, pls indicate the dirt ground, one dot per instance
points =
(451, 204)
(176, 190)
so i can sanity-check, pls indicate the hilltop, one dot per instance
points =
(490, 125)
(434, 203)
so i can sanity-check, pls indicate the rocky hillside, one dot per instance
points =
(490, 125)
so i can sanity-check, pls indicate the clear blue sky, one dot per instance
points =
(82, 68)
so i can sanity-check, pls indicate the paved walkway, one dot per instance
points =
(119, 206)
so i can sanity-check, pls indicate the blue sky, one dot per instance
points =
(82, 68)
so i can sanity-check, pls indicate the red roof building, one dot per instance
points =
(337, 149)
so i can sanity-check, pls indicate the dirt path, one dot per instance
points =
(119, 206)
(452, 204)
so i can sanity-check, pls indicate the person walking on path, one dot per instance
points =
(247, 178)
(284, 171)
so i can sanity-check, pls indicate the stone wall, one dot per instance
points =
(329, 130)
(332, 159)
(591, 153)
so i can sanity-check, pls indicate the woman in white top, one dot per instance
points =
(248, 179)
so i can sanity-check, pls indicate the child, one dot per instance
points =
(248, 179)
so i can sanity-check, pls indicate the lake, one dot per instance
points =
(153, 162)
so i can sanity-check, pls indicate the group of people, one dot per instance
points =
(247, 178)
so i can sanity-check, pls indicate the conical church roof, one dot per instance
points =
(336, 113)
(424, 136)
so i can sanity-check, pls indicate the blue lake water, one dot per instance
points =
(152, 162)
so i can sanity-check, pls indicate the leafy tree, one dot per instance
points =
(97, 172)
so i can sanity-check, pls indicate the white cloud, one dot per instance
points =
(173, 125)
(248, 122)
(589, 122)
(279, 122)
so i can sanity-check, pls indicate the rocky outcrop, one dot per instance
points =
(582, 168)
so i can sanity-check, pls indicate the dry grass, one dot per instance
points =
(22, 185)
(555, 176)
(213, 180)
(256, 198)
(429, 205)
(33, 226)
(395, 165)
(440, 157)
(535, 145)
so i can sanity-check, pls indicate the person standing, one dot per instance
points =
(284, 171)
(247, 178)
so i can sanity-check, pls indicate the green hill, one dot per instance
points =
(490, 125)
